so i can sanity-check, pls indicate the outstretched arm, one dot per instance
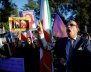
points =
(46, 45)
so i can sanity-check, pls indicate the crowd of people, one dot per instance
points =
(73, 52)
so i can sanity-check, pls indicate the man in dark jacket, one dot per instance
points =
(73, 52)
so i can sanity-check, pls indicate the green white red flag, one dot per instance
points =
(46, 61)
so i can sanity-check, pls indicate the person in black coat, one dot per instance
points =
(75, 58)
(31, 57)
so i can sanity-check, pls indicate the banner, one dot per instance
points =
(18, 23)
(12, 64)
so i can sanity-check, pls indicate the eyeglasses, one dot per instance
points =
(71, 25)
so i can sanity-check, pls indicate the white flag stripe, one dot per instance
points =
(44, 15)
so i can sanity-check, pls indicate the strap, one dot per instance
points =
(81, 43)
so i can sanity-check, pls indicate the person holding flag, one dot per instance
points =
(46, 45)
(46, 61)
(45, 17)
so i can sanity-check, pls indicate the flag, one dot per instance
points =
(4, 29)
(45, 17)
(46, 61)
(58, 28)
(23, 36)
(1, 44)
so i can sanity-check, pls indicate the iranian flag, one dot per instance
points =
(46, 61)
(24, 36)
(45, 17)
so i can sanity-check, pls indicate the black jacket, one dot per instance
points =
(80, 59)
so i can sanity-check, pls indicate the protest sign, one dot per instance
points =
(18, 23)
(12, 64)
